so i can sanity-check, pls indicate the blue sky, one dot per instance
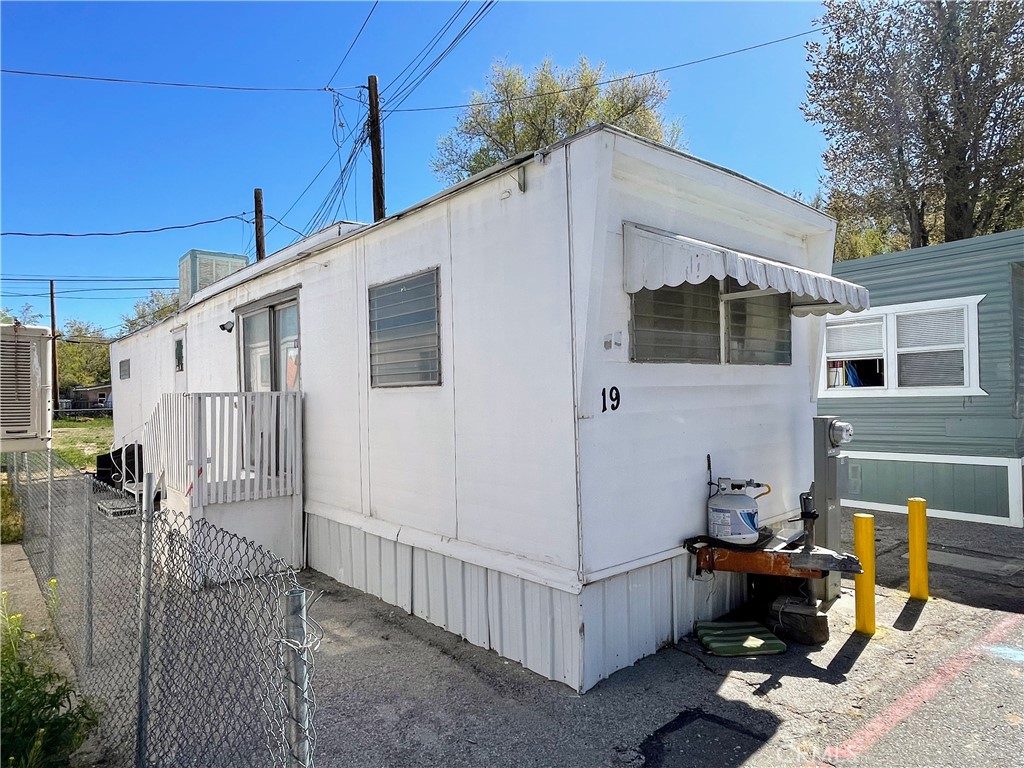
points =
(82, 156)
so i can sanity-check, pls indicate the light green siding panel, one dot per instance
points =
(972, 426)
(971, 489)
(1017, 296)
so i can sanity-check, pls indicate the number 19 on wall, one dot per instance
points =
(609, 398)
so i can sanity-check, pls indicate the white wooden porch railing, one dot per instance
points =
(220, 447)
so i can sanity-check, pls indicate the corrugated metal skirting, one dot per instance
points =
(577, 639)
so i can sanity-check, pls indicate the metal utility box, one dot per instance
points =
(25, 385)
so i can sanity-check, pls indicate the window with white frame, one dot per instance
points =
(928, 347)
(713, 322)
(405, 337)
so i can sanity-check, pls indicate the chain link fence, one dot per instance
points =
(193, 642)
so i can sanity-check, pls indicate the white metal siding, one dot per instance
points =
(576, 639)
(533, 624)
(643, 473)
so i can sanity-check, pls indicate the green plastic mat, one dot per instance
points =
(737, 638)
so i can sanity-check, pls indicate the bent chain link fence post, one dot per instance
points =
(229, 668)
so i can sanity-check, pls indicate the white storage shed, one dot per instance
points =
(509, 391)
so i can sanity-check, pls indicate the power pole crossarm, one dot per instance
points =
(376, 149)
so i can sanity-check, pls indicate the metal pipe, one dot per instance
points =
(50, 527)
(917, 524)
(864, 583)
(145, 603)
(87, 576)
(296, 656)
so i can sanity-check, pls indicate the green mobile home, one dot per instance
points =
(932, 378)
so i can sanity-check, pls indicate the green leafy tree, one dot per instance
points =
(26, 316)
(152, 309)
(518, 113)
(921, 103)
(83, 356)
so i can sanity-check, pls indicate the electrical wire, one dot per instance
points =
(79, 279)
(616, 79)
(407, 90)
(125, 232)
(303, 192)
(62, 291)
(83, 298)
(278, 221)
(425, 51)
(352, 44)
(167, 84)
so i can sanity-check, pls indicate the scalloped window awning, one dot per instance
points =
(655, 258)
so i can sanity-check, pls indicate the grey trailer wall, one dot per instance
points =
(962, 454)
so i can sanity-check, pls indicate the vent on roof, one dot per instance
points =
(199, 269)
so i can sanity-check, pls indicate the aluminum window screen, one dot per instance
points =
(759, 330)
(863, 338)
(405, 338)
(124, 369)
(677, 324)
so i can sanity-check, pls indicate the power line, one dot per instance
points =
(167, 84)
(81, 279)
(303, 192)
(616, 79)
(352, 44)
(81, 298)
(125, 232)
(278, 221)
(63, 291)
(407, 89)
(426, 49)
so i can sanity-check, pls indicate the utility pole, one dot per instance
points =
(376, 150)
(261, 245)
(53, 350)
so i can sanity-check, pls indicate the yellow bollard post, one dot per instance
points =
(864, 583)
(917, 525)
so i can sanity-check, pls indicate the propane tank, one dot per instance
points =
(732, 514)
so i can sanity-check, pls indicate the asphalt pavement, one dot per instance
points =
(940, 684)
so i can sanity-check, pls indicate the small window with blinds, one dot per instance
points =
(705, 324)
(124, 369)
(924, 348)
(931, 348)
(405, 338)
(856, 353)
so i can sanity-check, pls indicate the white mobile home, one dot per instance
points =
(508, 393)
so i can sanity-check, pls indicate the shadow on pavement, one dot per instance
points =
(975, 564)
(908, 617)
